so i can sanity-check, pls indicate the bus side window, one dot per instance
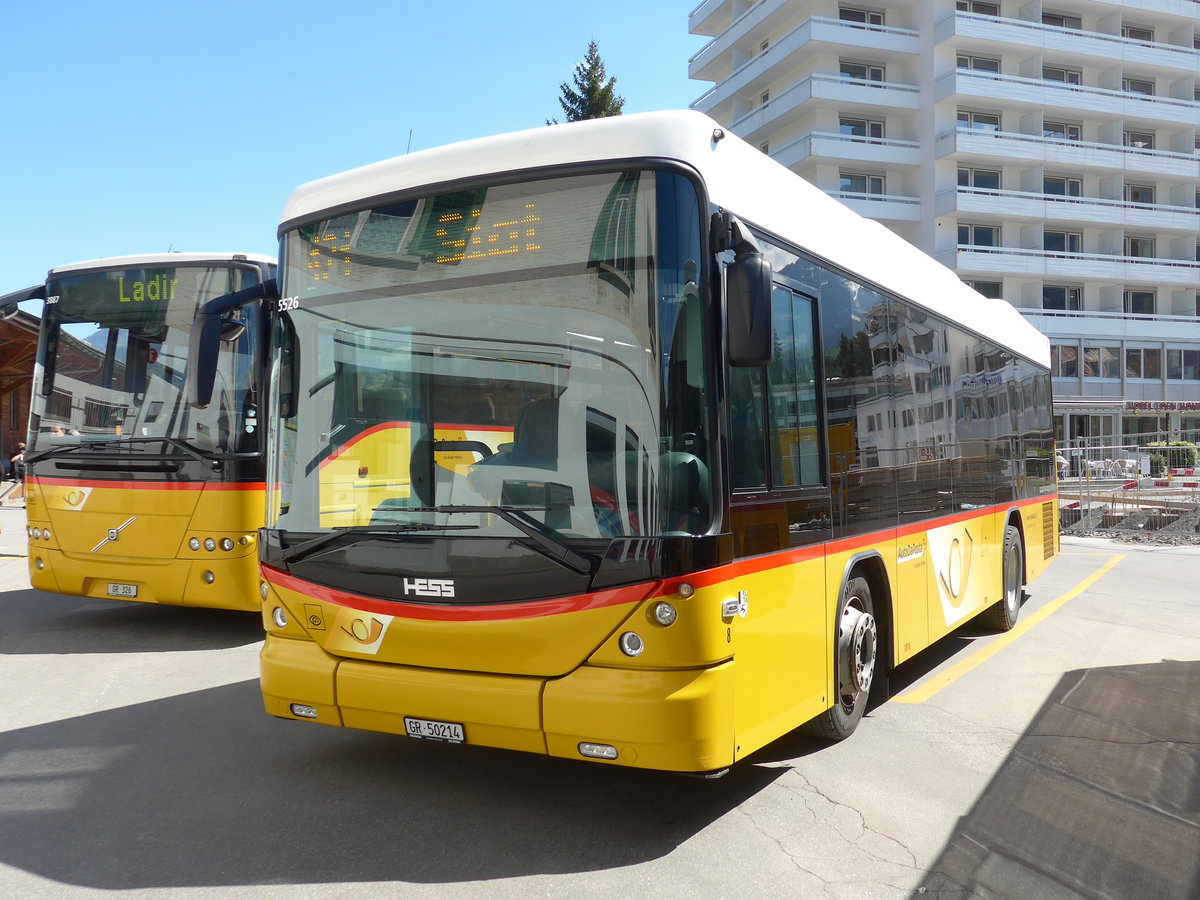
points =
(747, 440)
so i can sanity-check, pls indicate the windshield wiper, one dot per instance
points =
(307, 548)
(551, 546)
(179, 444)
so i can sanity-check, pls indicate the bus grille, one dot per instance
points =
(1047, 530)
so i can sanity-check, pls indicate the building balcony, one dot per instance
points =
(1066, 98)
(1066, 42)
(709, 17)
(1055, 207)
(1111, 158)
(712, 61)
(783, 55)
(1055, 265)
(882, 207)
(1093, 324)
(1185, 9)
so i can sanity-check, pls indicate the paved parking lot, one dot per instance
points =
(135, 757)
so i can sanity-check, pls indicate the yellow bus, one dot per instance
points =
(130, 492)
(617, 441)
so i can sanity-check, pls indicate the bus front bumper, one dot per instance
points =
(677, 720)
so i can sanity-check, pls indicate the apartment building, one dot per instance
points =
(1049, 152)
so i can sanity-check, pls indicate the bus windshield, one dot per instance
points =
(113, 362)
(538, 346)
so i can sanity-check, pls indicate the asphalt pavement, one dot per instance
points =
(1062, 759)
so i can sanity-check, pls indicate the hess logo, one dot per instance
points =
(428, 587)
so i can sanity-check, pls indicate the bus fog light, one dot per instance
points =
(279, 617)
(38, 564)
(46, 534)
(226, 543)
(664, 613)
(304, 712)
(244, 540)
(595, 751)
(262, 589)
(210, 544)
(632, 644)
(208, 577)
(194, 543)
(37, 534)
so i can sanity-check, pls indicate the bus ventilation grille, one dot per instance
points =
(1047, 530)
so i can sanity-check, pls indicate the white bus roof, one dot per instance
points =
(738, 178)
(159, 259)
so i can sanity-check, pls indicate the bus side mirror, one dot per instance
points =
(9, 312)
(748, 307)
(209, 329)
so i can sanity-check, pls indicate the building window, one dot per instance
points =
(1061, 296)
(1183, 365)
(1064, 360)
(1143, 140)
(765, 147)
(1061, 186)
(979, 178)
(762, 48)
(861, 184)
(978, 8)
(1062, 241)
(861, 71)
(860, 128)
(1060, 21)
(1138, 86)
(1061, 131)
(1101, 362)
(1141, 194)
(1066, 76)
(978, 63)
(764, 98)
(979, 235)
(1139, 303)
(1133, 362)
(866, 16)
(992, 289)
(978, 121)
(1139, 246)
(1137, 33)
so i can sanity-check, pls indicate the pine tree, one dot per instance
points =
(593, 97)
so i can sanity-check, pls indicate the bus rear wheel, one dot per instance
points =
(1003, 615)
(855, 661)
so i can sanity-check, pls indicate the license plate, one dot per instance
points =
(434, 731)
(121, 590)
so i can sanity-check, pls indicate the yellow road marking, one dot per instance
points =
(923, 692)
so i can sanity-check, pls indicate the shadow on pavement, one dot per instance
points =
(204, 789)
(1099, 798)
(33, 621)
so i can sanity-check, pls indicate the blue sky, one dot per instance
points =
(137, 127)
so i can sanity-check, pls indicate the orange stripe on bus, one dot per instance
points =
(59, 480)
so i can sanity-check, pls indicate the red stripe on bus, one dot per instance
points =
(59, 480)
(629, 593)
(531, 609)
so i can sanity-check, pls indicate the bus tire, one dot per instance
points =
(855, 661)
(1002, 616)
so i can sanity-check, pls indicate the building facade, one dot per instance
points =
(1048, 152)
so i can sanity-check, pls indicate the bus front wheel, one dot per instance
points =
(1003, 615)
(855, 661)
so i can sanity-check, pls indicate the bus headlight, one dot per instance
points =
(279, 617)
(226, 543)
(632, 644)
(208, 577)
(194, 543)
(45, 534)
(262, 589)
(664, 613)
(36, 534)
(210, 544)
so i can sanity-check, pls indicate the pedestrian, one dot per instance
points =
(16, 463)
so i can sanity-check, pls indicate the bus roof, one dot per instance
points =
(158, 259)
(738, 178)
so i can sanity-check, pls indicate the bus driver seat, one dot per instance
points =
(535, 437)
